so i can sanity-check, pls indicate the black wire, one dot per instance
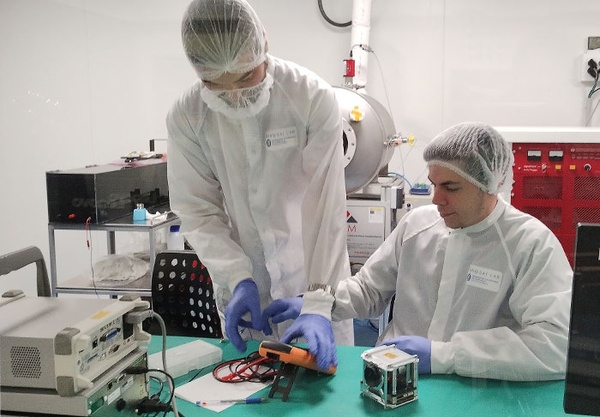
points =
(197, 373)
(160, 384)
(331, 22)
(172, 393)
(594, 88)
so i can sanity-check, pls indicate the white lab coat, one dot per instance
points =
(264, 197)
(494, 297)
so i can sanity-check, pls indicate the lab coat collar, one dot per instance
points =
(487, 222)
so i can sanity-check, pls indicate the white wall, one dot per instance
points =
(86, 81)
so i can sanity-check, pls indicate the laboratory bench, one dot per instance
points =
(314, 394)
(83, 284)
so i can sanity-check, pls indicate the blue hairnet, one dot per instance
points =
(223, 36)
(476, 152)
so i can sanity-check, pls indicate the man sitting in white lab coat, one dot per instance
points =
(481, 288)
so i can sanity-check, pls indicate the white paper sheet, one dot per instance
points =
(207, 388)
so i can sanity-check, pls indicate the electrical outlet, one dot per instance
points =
(587, 62)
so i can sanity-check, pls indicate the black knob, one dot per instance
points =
(121, 404)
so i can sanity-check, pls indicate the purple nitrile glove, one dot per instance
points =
(244, 300)
(318, 333)
(414, 345)
(281, 310)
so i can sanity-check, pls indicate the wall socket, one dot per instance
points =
(593, 55)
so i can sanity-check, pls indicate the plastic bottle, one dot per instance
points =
(175, 240)
(139, 214)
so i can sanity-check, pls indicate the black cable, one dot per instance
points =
(198, 373)
(594, 87)
(172, 393)
(331, 22)
(153, 403)
(160, 383)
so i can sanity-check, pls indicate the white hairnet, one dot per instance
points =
(476, 152)
(223, 36)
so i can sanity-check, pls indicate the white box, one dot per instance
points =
(186, 358)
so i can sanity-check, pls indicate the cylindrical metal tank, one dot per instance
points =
(367, 130)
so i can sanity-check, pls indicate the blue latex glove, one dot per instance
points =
(281, 310)
(318, 333)
(243, 300)
(414, 345)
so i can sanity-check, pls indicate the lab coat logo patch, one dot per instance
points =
(281, 138)
(484, 278)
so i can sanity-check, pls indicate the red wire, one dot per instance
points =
(87, 231)
(246, 369)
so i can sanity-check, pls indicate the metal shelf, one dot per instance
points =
(83, 285)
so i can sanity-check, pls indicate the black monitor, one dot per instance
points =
(582, 382)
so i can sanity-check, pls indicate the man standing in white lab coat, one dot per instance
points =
(256, 175)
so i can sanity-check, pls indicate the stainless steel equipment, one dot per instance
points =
(373, 197)
(369, 137)
(369, 140)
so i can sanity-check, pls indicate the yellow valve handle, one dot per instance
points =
(356, 114)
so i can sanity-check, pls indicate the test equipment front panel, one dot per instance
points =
(559, 184)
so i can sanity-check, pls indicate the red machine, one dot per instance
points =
(558, 183)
